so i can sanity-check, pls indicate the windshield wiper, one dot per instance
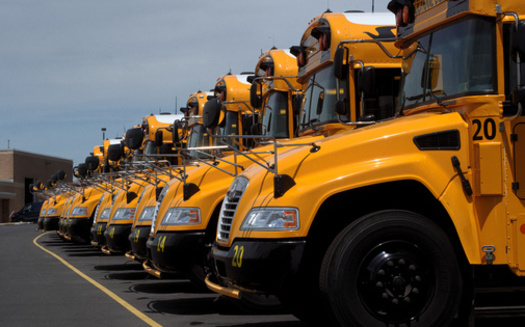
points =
(431, 94)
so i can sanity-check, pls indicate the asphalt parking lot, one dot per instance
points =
(45, 281)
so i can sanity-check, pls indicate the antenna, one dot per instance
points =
(175, 112)
(372, 5)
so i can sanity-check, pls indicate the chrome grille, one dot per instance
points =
(229, 207)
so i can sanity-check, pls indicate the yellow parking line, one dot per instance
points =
(112, 295)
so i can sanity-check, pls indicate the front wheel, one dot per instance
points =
(391, 268)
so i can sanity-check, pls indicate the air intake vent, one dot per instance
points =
(229, 207)
(446, 140)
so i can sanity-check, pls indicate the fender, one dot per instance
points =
(366, 157)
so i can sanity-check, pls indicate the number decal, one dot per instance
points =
(477, 123)
(162, 242)
(487, 128)
(112, 232)
(137, 233)
(237, 257)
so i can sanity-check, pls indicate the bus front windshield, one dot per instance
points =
(320, 100)
(449, 62)
(275, 117)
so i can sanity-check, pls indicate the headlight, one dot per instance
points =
(80, 211)
(271, 219)
(124, 214)
(52, 211)
(182, 216)
(104, 214)
(147, 214)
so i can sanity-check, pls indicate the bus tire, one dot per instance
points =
(391, 268)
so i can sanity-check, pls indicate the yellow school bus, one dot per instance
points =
(112, 185)
(275, 226)
(186, 228)
(159, 153)
(50, 213)
(153, 137)
(79, 223)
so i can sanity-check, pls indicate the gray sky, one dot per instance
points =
(70, 67)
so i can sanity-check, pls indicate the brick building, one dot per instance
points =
(18, 170)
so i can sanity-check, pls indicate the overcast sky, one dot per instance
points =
(70, 67)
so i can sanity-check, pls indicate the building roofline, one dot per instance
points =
(43, 156)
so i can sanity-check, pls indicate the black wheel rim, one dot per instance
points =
(396, 281)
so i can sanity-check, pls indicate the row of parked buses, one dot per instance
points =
(369, 176)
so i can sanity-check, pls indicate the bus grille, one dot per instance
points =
(229, 207)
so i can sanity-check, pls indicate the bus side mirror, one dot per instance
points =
(115, 152)
(175, 137)
(134, 138)
(368, 81)
(61, 174)
(256, 95)
(92, 163)
(82, 170)
(340, 63)
(158, 138)
(211, 113)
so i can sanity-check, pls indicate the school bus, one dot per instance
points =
(153, 137)
(49, 214)
(78, 225)
(62, 196)
(112, 185)
(275, 226)
(177, 238)
(124, 202)
(273, 93)
(148, 199)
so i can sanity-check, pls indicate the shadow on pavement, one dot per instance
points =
(182, 286)
(212, 304)
(120, 267)
(273, 324)
(193, 306)
(137, 275)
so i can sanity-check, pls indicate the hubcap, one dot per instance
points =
(395, 281)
